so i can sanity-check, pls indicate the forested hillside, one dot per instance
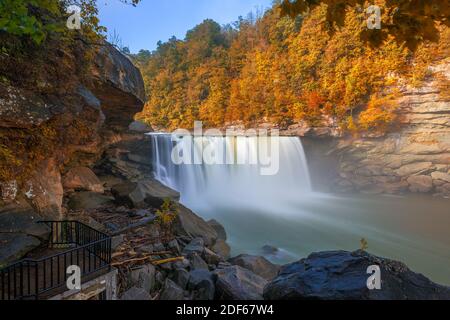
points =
(279, 69)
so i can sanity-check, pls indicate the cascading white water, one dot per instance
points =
(222, 183)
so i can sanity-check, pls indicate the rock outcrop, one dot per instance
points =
(52, 134)
(413, 156)
(340, 275)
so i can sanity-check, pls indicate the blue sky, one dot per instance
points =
(143, 26)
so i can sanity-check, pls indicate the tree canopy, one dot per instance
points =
(277, 69)
(408, 21)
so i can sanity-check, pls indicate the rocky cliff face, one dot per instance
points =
(414, 158)
(64, 123)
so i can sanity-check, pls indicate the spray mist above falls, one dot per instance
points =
(242, 177)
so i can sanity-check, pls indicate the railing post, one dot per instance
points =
(36, 288)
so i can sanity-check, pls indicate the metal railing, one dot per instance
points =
(81, 246)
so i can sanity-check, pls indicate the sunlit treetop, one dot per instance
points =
(408, 21)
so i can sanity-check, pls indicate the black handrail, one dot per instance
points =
(83, 246)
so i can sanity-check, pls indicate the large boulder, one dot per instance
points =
(221, 233)
(45, 190)
(197, 245)
(14, 246)
(222, 249)
(190, 225)
(87, 200)
(82, 178)
(171, 291)
(141, 127)
(420, 184)
(343, 275)
(118, 84)
(21, 218)
(201, 283)
(236, 283)
(144, 278)
(143, 193)
(259, 265)
(136, 294)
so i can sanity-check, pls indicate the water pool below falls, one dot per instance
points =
(283, 210)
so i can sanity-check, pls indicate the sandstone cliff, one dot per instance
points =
(62, 121)
(414, 157)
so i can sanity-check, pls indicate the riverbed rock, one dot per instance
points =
(258, 265)
(343, 275)
(220, 230)
(82, 178)
(222, 249)
(237, 283)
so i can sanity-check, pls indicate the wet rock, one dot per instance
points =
(220, 230)
(14, 246)
(258, 265)
(190, 225)
(201, 283)
(136, 294)
(172, 292)
(343, 275)
(82, 178)
(222, 249)
(88, 200)
(270, 250)
(236, 283)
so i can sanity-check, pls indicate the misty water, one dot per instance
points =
(283, 211)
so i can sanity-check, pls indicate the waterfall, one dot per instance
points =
(238, 182)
